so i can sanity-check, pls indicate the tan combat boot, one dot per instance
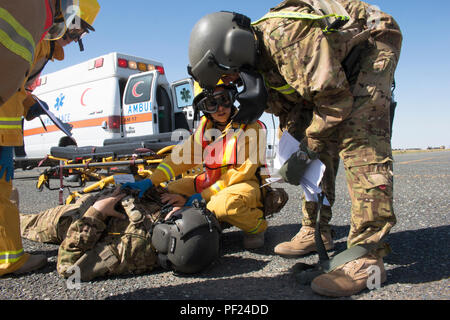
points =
(303, 243)
(351, 278)
(34, 262)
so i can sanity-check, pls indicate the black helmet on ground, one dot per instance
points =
(188, 242)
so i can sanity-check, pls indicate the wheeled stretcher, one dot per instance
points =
(135, 157)
(102, 164)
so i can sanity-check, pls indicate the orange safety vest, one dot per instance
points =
(220, 155)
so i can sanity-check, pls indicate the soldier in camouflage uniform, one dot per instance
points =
(344, 77)
(97, 245)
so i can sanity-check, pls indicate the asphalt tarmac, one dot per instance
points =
(418, 267)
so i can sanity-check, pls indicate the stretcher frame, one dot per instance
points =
(140, 164)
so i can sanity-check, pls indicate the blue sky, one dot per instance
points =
(160, 30)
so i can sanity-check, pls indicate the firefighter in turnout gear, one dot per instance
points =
(23, 24)
(13, 259)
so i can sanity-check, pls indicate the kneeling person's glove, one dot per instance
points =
(142, 186)
(193, 198)
(294, 168)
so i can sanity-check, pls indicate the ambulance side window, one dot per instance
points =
(138, 89)
(122, 84)
(184, 95)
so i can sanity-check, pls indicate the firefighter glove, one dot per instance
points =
(142, 186)
(191, 199)
(6, 163)
(36, 110)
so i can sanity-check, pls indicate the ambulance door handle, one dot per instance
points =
(104, 125)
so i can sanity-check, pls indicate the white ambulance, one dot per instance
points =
(110, 97)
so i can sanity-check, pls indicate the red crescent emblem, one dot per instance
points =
(82, 96)
(135, 94)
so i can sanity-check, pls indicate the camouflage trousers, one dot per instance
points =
(98, 248)
(51, 225)
(364, 141)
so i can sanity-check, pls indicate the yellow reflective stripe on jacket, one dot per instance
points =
(298, 15)
(10, 122)
(198, 135)
(217, 187)
(15, 37)
(227, 154)
(168, 171)
(230, 150)
(11, 256)
(286, 89)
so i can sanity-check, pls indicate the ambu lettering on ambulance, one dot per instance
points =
(139, 108)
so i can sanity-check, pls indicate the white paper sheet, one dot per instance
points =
(310, 182)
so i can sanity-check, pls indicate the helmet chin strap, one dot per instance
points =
(80, 43)
(252, 99)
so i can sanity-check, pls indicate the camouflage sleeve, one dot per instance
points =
(310, 66)
(82, 236)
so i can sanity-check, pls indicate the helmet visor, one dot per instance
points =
(211, 102)
(207, 72)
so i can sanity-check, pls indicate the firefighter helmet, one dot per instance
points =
(73, 16)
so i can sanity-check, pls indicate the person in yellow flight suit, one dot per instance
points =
(230, 151)
(13, 259)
